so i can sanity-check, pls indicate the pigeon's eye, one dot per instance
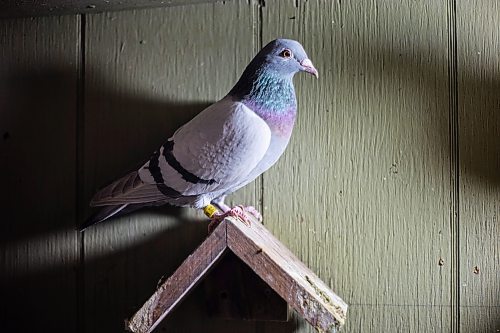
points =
(286, 53)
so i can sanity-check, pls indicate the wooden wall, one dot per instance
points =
(390, 188)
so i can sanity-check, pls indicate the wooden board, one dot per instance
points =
(39, 62)
(390, 318)
(171, 292)
(310, 297)
(19, 8)
(479, 165)
(367, 174)
(146, 73)
(267, 258)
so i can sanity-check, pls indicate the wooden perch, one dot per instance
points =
(20, 8)
(267, 257)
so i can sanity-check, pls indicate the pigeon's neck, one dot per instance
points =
(271, 96)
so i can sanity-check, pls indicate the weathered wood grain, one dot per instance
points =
(287, 275)
(20, 8)
(478, 41)
(367, 176)
(38, 241)
(185, 278)
(267, 257)
(148, 72)
(390, 318)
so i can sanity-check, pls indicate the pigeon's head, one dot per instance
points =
(269, 75)
(285, 57)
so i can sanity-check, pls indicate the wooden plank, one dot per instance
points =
(179, 284)
(21, 8)
(290, 278)
(147, 73)
(481, 319)
(387, 318)
(390, 318)
(367, 177)
(479, 164)
(38, 240)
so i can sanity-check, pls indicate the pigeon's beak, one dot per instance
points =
(307, 66)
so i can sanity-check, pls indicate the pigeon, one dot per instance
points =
(223, 148)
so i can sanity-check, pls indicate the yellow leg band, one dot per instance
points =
(210, 210)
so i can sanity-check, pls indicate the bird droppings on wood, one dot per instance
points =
(476, 270)
(258, 251)
(91, 7)
(161, 281)
(313, 309)
(318, 291)
(441, 262)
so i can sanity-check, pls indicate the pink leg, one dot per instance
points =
(237, 211)
(219, 202)
(222, 206)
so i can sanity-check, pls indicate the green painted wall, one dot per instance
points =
(390, 188)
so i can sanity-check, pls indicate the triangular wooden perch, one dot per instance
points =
(267, 257)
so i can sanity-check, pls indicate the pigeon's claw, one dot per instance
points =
(239, 212)
(252, 210)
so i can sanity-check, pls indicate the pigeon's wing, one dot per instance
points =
(129, 189)
(212, 152)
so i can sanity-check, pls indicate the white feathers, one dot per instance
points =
(220, 146)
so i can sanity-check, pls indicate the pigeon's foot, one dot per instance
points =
(252, 210)
(237, 211)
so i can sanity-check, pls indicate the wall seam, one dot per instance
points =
(454, 166)
(260, 38)
(260, 326)
(80, 108)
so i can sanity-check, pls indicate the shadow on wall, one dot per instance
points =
(42, 278)
(478, 110)
(44, 284)
(478, 122)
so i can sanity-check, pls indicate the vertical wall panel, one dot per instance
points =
(148, 72)
(38, 241)
(363, 192)
(479, 139)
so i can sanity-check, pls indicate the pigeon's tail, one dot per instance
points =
(109, 211)
(123, 196)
